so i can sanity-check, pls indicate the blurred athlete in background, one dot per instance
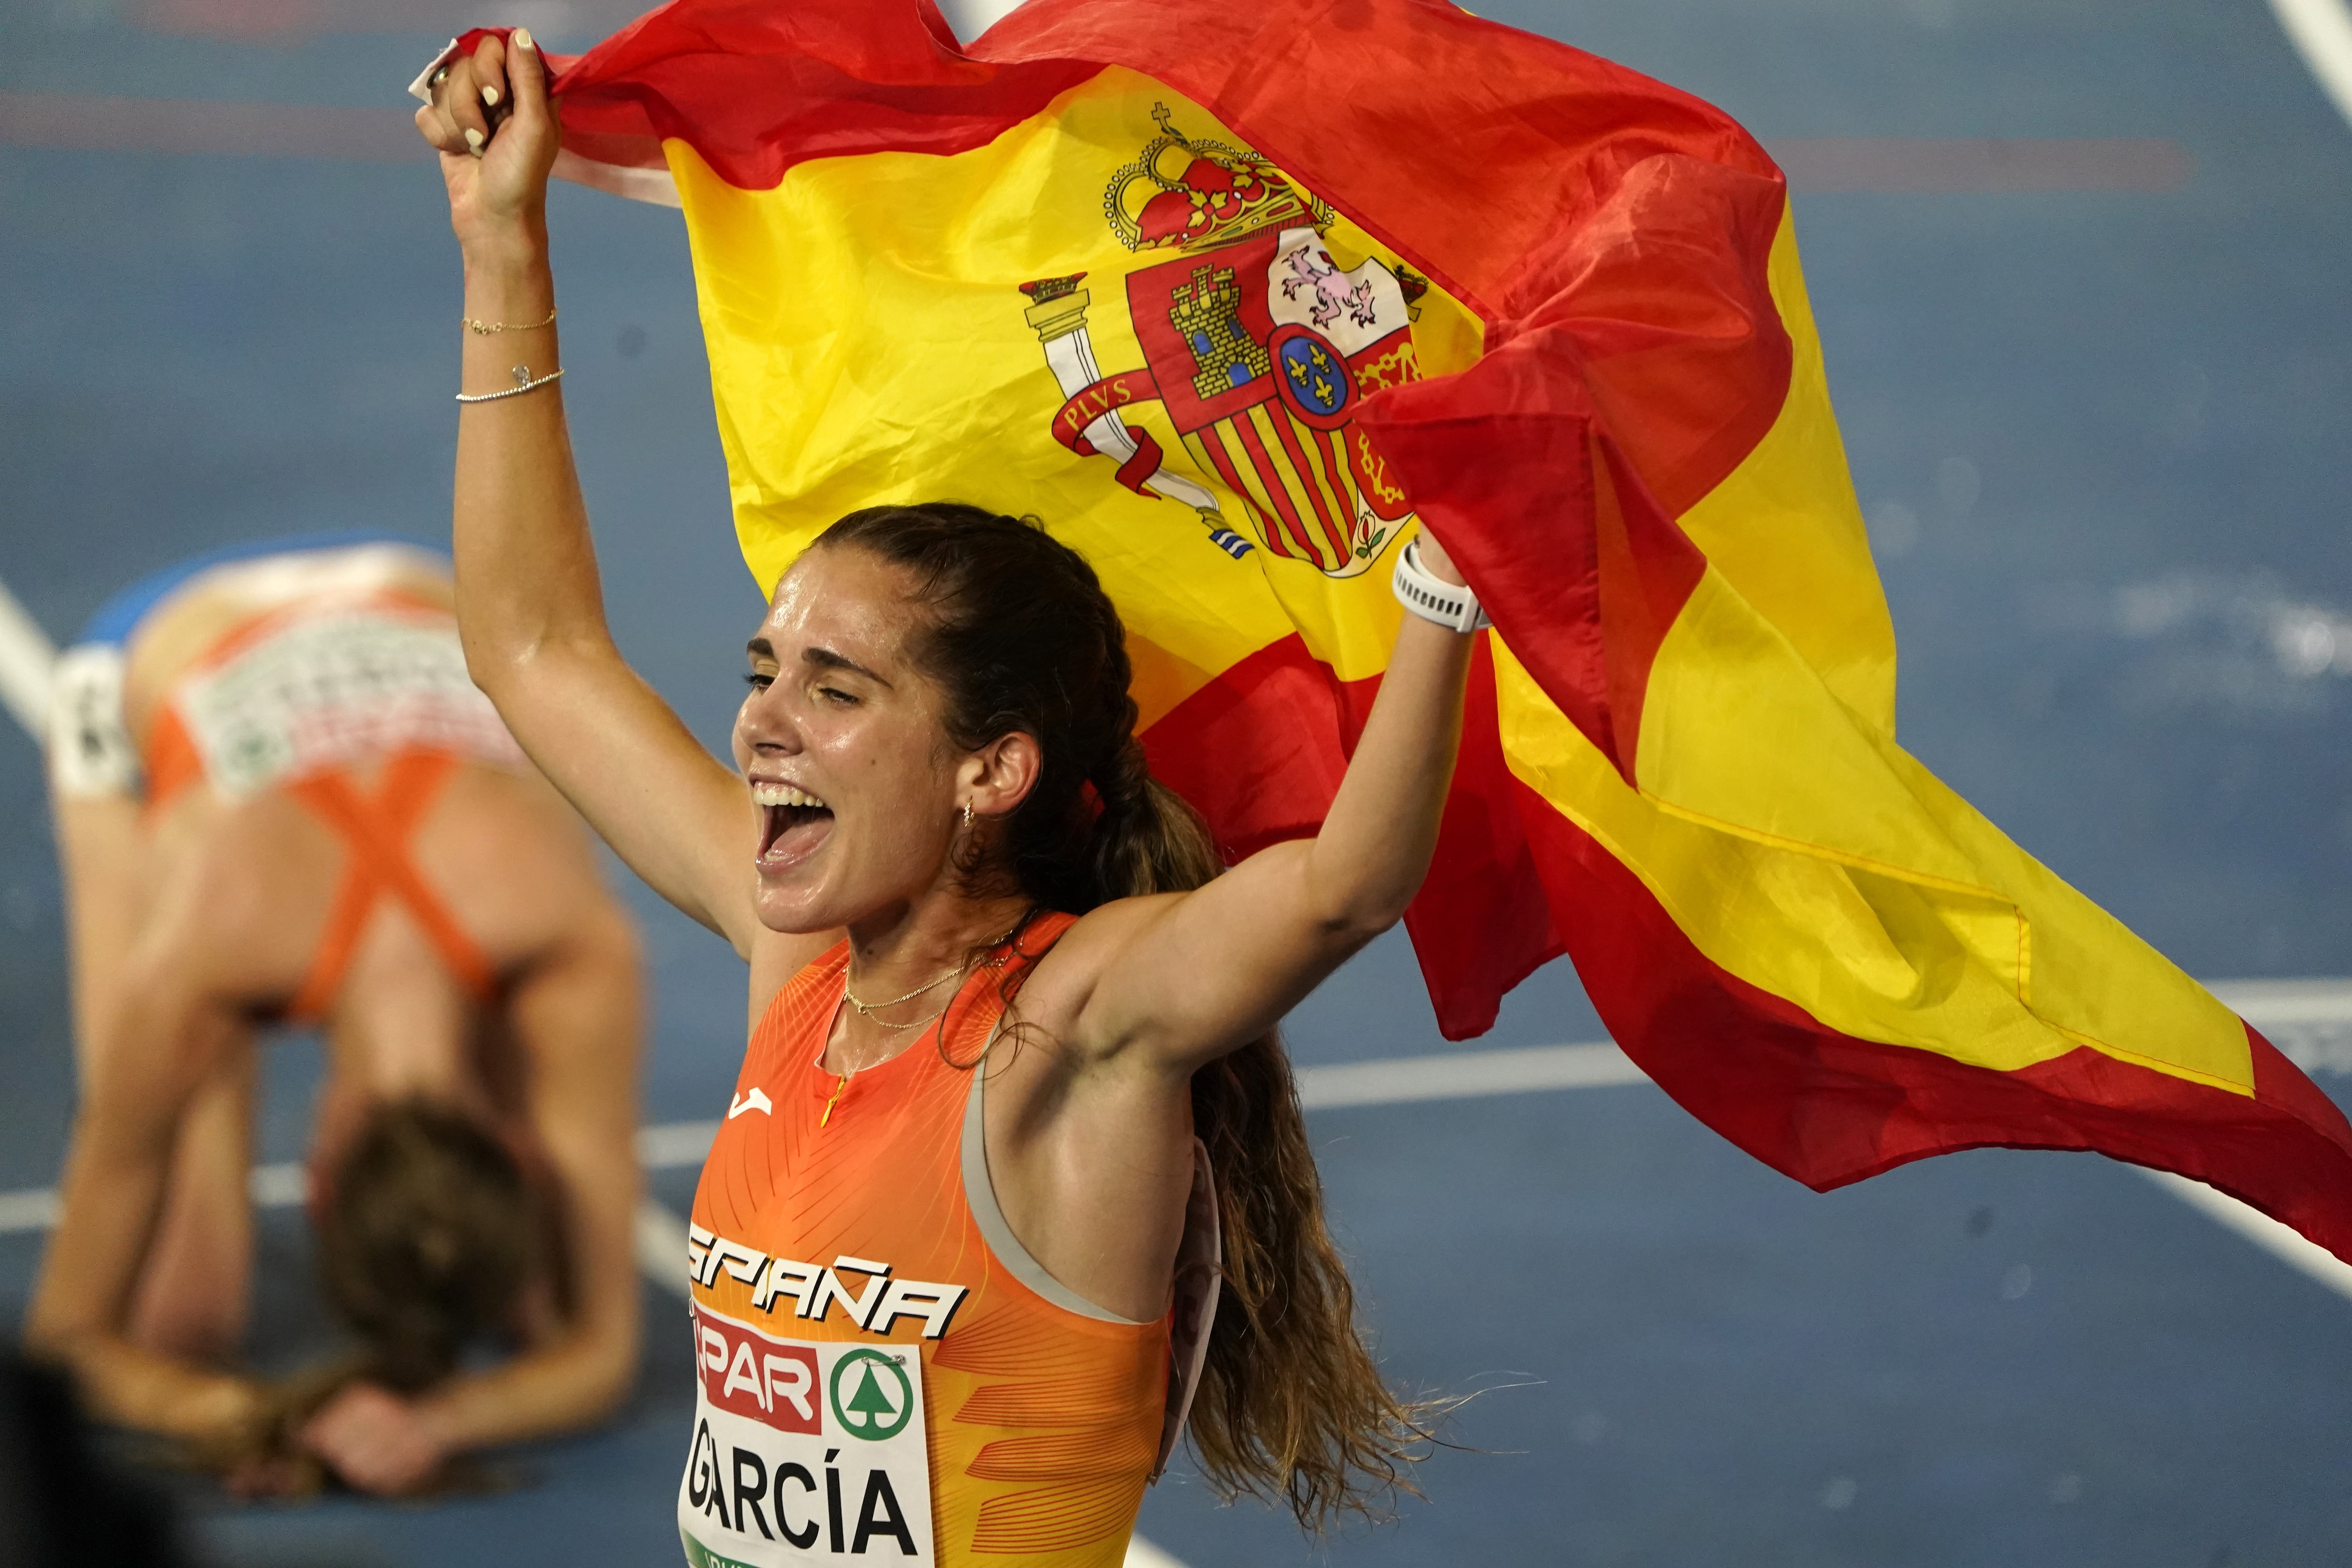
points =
(280, 802)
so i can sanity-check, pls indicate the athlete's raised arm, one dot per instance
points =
(1182, 978)
(530, 604)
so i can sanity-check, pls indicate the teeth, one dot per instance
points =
(785, 794)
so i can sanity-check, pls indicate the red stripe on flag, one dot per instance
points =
(1829, 1110)
(1332, 457)
(1259, 750)
(1483, 920)
(757, 88)
(1419, 108)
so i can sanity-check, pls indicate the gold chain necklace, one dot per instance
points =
(842, 1088)
(866, 1011)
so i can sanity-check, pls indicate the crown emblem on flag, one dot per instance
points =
(1185, 195)
(1258, 345)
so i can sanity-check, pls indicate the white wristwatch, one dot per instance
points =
(1454, 608)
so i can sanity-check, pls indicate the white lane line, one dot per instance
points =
(33, 1208)
(286, 1187)
(1141, 1554)
(661, 1245)
(2309, 1005)
(1462, 1075)
(2269, 1003)
(675, 1145)
(2321, 32)
(2264, 1232)
(681, 1145)
(25, 658)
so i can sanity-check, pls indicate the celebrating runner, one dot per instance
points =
(1013, 1104)
(279, 801)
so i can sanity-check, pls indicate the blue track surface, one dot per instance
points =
(2102, 439)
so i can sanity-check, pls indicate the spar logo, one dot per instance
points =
(880, 1399)
(805, 1450)
(762, 1379)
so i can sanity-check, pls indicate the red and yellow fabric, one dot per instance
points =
(1235, 293)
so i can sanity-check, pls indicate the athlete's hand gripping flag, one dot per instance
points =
(1236, 294)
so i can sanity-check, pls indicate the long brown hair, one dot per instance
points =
(1019, 636)
(429, 1236)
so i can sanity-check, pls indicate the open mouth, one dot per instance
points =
(795, 823)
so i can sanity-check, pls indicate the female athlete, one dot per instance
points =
(997, 989)
(278, 800)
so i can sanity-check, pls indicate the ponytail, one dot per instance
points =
(1147, 839)
(1291, 1404)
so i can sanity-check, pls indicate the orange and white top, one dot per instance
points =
(885, 1373)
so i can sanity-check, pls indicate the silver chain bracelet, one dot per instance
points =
(523, 382)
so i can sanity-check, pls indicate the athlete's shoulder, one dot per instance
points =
(1113, 922)
(236, 885)
(1056, 994)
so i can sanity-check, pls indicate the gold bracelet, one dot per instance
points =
(483, 328)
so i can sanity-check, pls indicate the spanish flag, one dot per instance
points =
(1234, 295)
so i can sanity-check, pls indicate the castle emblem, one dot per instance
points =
(1256, 344)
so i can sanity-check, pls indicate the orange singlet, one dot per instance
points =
(885, 1373)
(299, 699)
(374, 829)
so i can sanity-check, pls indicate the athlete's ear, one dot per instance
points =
(999, 776)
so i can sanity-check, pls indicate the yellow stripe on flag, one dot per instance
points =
(868, 345)
(1784, 526)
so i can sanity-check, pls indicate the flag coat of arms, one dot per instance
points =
(1235, 295)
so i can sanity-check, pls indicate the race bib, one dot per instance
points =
(89, 750)
(334, 690)
(804, 1453)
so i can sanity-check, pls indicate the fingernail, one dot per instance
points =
(490, 96)
(474, 141)
(522, 38)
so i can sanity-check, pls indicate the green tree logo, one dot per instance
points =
(881, 1400)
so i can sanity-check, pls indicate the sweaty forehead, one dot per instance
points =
(844, 600)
